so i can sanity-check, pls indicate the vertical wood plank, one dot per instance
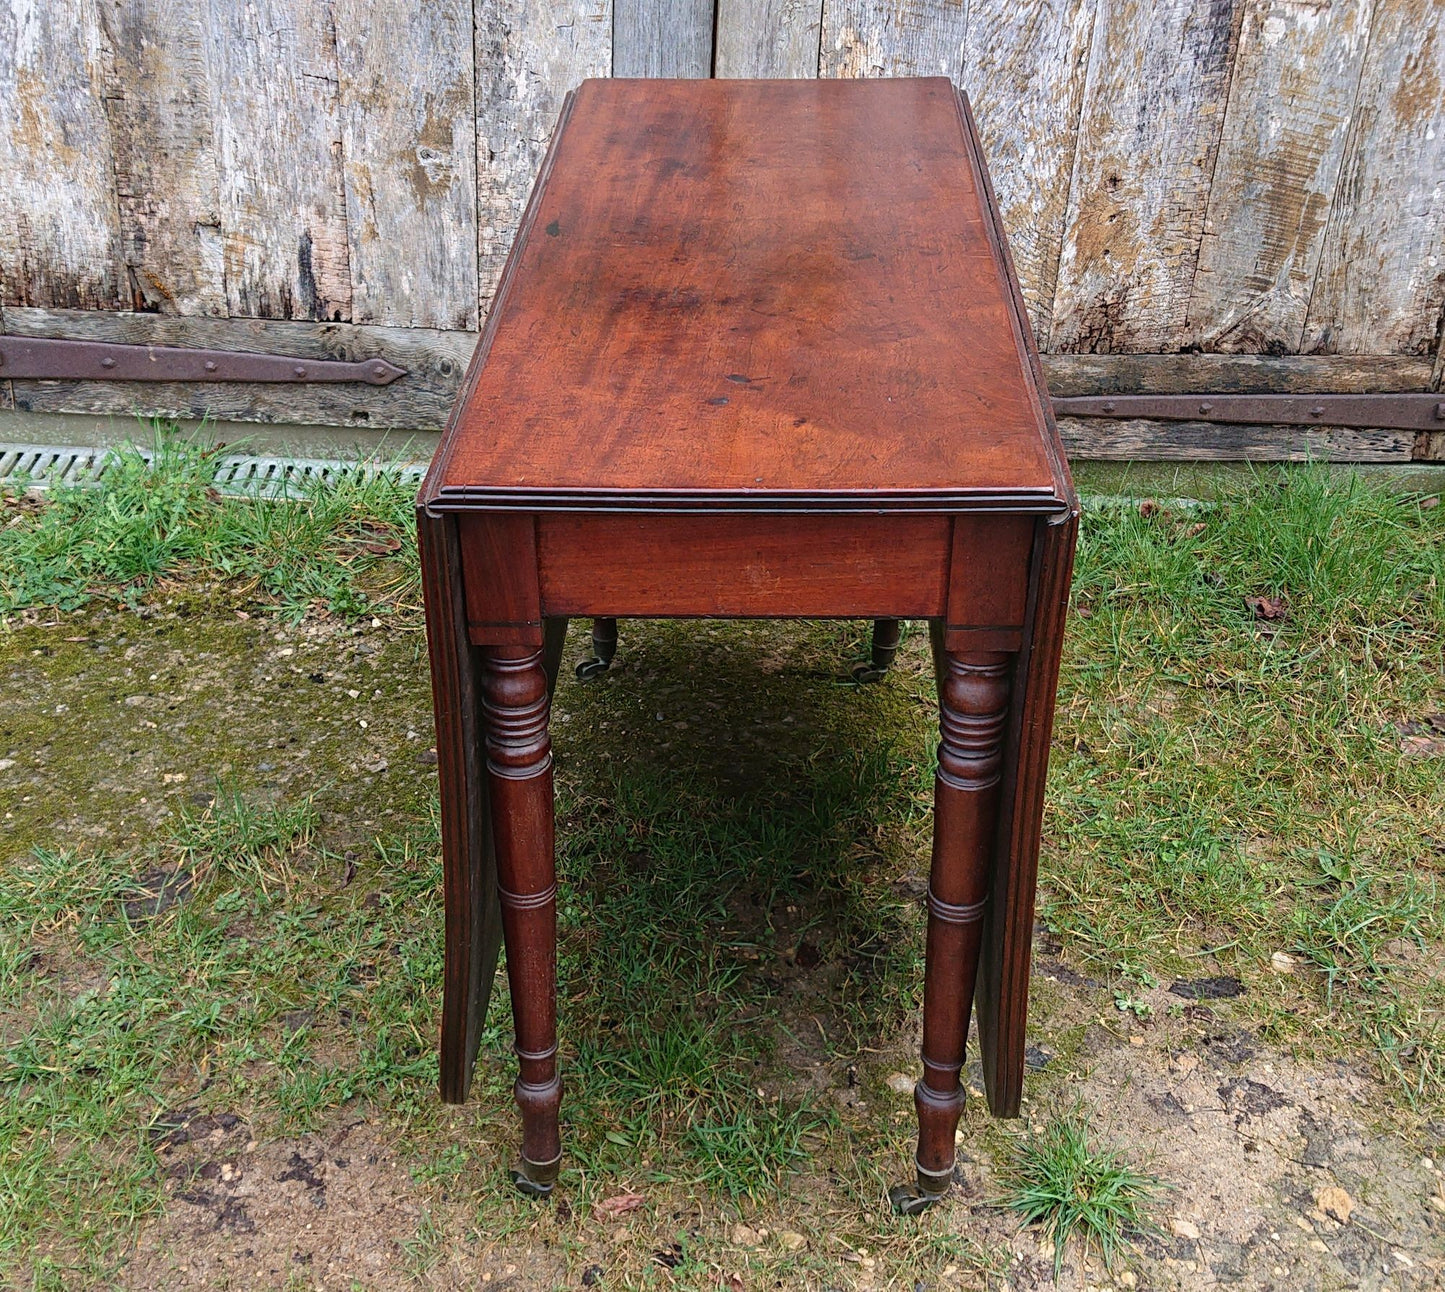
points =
(283, 211)
(59, 227)
(1294, 84)
(768, 37)
(662, 38)
(1381, 285)
(527, 59)
(408, 133)
(893, 38)
(157, 101)
(1024, 69)
(1153, 109)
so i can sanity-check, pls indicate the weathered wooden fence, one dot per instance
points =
(1258, 185)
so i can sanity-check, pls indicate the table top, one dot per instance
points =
(756, 296)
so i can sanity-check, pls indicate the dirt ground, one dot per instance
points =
(1281, 1172)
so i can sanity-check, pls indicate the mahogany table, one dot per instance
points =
(758, 351)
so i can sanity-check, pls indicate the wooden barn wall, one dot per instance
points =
(1254, 178)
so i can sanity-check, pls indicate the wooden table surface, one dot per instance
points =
(758, 351)
(755, 295)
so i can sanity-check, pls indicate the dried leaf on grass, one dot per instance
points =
(620, 1204)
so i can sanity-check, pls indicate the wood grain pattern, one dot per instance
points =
(473, 913)
(408, 136)
(285, 246)
(434, 362)
(1158, 80)
(893, 38)
(662, 38)
(526, 63)
(768, 37)
(988, 572)
(499, 568)
(1024, 68)
(157, 101)
(763, 283)
(778, 566)
(1003, 973)
(1381, 284)
(1292, 88)
(59, 226)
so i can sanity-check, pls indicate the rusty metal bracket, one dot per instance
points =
(1407, 412)
(52, 359)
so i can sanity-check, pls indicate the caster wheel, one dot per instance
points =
(864, 674)
(590, 668)
(909, 1199)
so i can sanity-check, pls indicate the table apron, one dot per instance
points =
(969, 571)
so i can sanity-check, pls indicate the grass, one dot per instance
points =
(322, 548)
(1061, 1182)
(739, 827)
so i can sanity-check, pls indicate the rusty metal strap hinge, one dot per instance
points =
(49, 358)
(1407, 412)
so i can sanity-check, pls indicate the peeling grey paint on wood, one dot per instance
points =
(768, 38)
(662, 38)
(1182, 374)
(1134, 441)
(59, 226)
(157, 101)
(893, 38)
(283, 211)
(435, 363)
(409, 143)
(1153, 109)
(1292, 90)
(526, 62)
(1381, 284)
(1024, 68)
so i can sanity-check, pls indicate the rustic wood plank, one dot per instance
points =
(661, 38)
(157, 100)
(768, 37)
(1179, 374)
(526, 62)
(1099, 440)
(408, 133)
(1381, 284)
(59, 226)
(1292, 89)
(1153, 108)
(893, 38)
(283, 210)
(1024, 69)
(435, 362)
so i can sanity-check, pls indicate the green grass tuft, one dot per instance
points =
(1073, 1190)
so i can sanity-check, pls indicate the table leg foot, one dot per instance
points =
(926, 1189)
(886, 634)
(536, 1179)
(604, 647)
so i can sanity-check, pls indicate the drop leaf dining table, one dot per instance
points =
(758, 350)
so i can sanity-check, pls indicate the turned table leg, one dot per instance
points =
(604, 647)
(519, 778)
(973, 712)
(886, 635)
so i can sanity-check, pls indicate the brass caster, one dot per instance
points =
(587, 669)
(864, 673)
(909, 1199)
(535, 1181)
(927, 1188)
